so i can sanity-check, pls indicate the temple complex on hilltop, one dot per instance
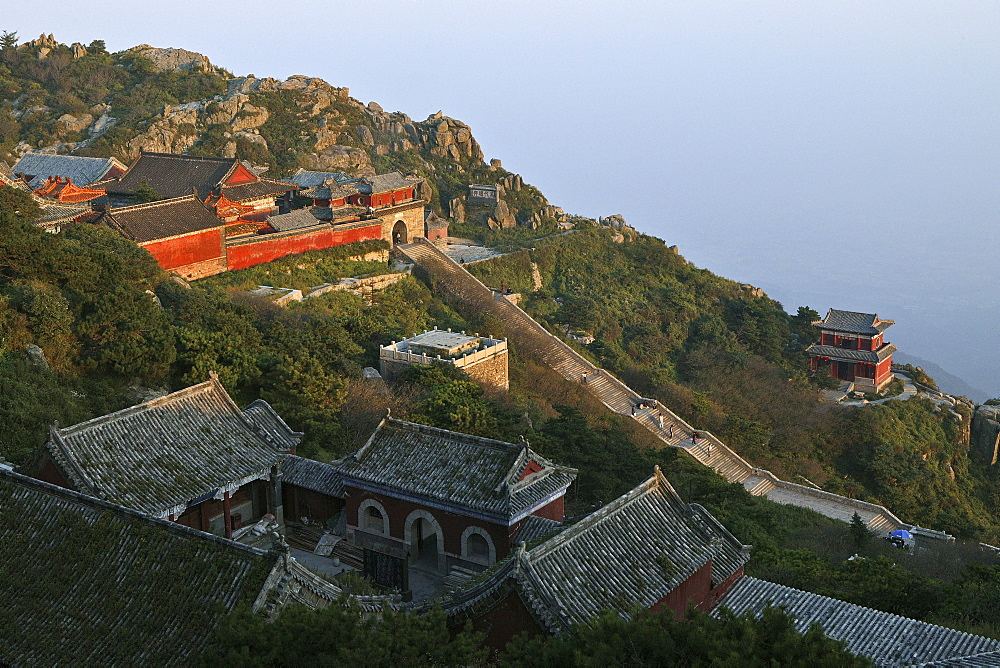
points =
(852, 348)
(210, 215)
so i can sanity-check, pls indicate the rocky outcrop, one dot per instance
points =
(68, 123)
(338, 158)
(502, 217)
(985, 437)
(456, 210)
(174, 60)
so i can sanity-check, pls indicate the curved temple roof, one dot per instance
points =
(160, 455)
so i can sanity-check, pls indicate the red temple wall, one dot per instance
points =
(452, 524)
(188, 249)
(505, 621)
(198, 517)
(697, 590)
(553, 511)
(883, 370)
(265, 250)
(439, 233)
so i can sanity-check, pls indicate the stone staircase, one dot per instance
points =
(617, 396)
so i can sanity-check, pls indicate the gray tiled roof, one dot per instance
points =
(534, 527)
(263, 187)
(886, 639)
(852, 322)
(162, 219)
(92, 583)
(82, 170)
(973, 661)
(293, 220)
(8, 179)
(873, 356)
(160, 455)
(173, 174)
(614, 558)
(311, 179)
(465, 474)
(330, 189)
(310, 474)
(385, 182)
(632, 552)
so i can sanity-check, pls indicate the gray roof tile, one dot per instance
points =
(173, 174)
(311, 179)
(852, 322)
(162, 219)
(873, 356)
(82, 170)
(385, 182)
(158, 456)
(313, 475)
(293, 220)
(632, 552)
(97, 584)
(886, 639)
(466, 474)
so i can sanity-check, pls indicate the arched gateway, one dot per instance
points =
(399, 233)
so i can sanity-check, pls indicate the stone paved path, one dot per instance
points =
(527, 334)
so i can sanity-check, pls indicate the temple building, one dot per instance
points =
(182, 234)
(55, 213)
(645, 549)
(192, 457)
(61, 189)
(391, 198)
(482, 357)
(229, 180)
(418, 499)
(37, 168)
(851, 347)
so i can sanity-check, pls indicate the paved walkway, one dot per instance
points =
(528, 335)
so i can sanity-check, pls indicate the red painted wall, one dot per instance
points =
(439, 233)
(241, 175)
(197, 517)
(504, 622)
(271, 247)
(452, 524)
(883, 370)
(554, 511)
(188, 249)
(697, 590)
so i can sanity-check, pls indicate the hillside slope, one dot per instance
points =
(83, 100)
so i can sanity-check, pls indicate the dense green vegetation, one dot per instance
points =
(732, 361)
(340, 635)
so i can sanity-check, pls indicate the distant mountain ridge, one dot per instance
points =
(947, 382)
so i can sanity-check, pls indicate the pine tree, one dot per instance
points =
(859, 531)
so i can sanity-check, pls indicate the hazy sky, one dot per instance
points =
(839, 155)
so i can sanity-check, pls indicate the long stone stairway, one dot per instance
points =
(527, 334)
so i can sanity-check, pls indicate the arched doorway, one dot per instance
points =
(426, 540)
(399, 233)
